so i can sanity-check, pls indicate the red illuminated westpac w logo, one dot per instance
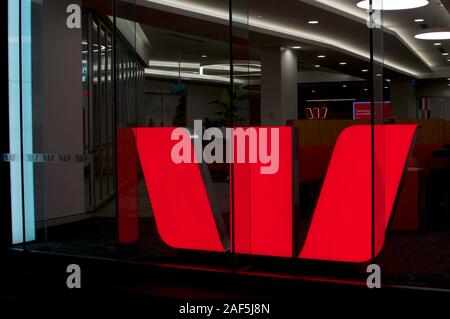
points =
(344, 227)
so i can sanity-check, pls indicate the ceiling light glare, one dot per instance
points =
(419, 20)
(364, 70)
(297, 47)
(393, 4)
(342, 63)
(438, 35)
(321, 56)
(438, 44)
(313, 22)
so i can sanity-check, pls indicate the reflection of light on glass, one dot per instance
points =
(21, 127)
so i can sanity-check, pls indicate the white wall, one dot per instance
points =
(279, 89)
(439, 94)
(403, 98)
(62, 105)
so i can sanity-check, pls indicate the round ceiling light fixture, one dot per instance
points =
(434, 34)
(393, 4)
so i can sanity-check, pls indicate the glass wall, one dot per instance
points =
(169, 213)
(65, 174)
(302, 138)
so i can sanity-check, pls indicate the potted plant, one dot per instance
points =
(228, 114)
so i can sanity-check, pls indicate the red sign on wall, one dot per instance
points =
(361, 110)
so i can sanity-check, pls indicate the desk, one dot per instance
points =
(408, 216)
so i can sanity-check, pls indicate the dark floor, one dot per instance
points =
(157, 292)
(421, 259)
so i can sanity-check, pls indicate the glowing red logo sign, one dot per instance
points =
(263, 208)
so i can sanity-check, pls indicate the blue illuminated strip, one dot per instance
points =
(14, 54)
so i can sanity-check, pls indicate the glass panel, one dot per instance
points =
(166, 214)
(87, 114)
(110, 117)
(238, 117)
(22, 170)
(310, 88)
(63, 128)
(96, 105)
(380, 120)
(416, 248)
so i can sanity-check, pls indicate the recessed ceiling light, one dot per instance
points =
(448, 79)
(393, 4)
(313, 22)
(365, 89)
(313, 91)
(419, 20)
(445, 53)
(437, 44)
(317, 66)
(344, 86)
(379, 74)
(343, 63)
(388, 80)
(297, 47)
(386, 87)
(204, 56)
(438, 34)
(321, 56)
(364, 70)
